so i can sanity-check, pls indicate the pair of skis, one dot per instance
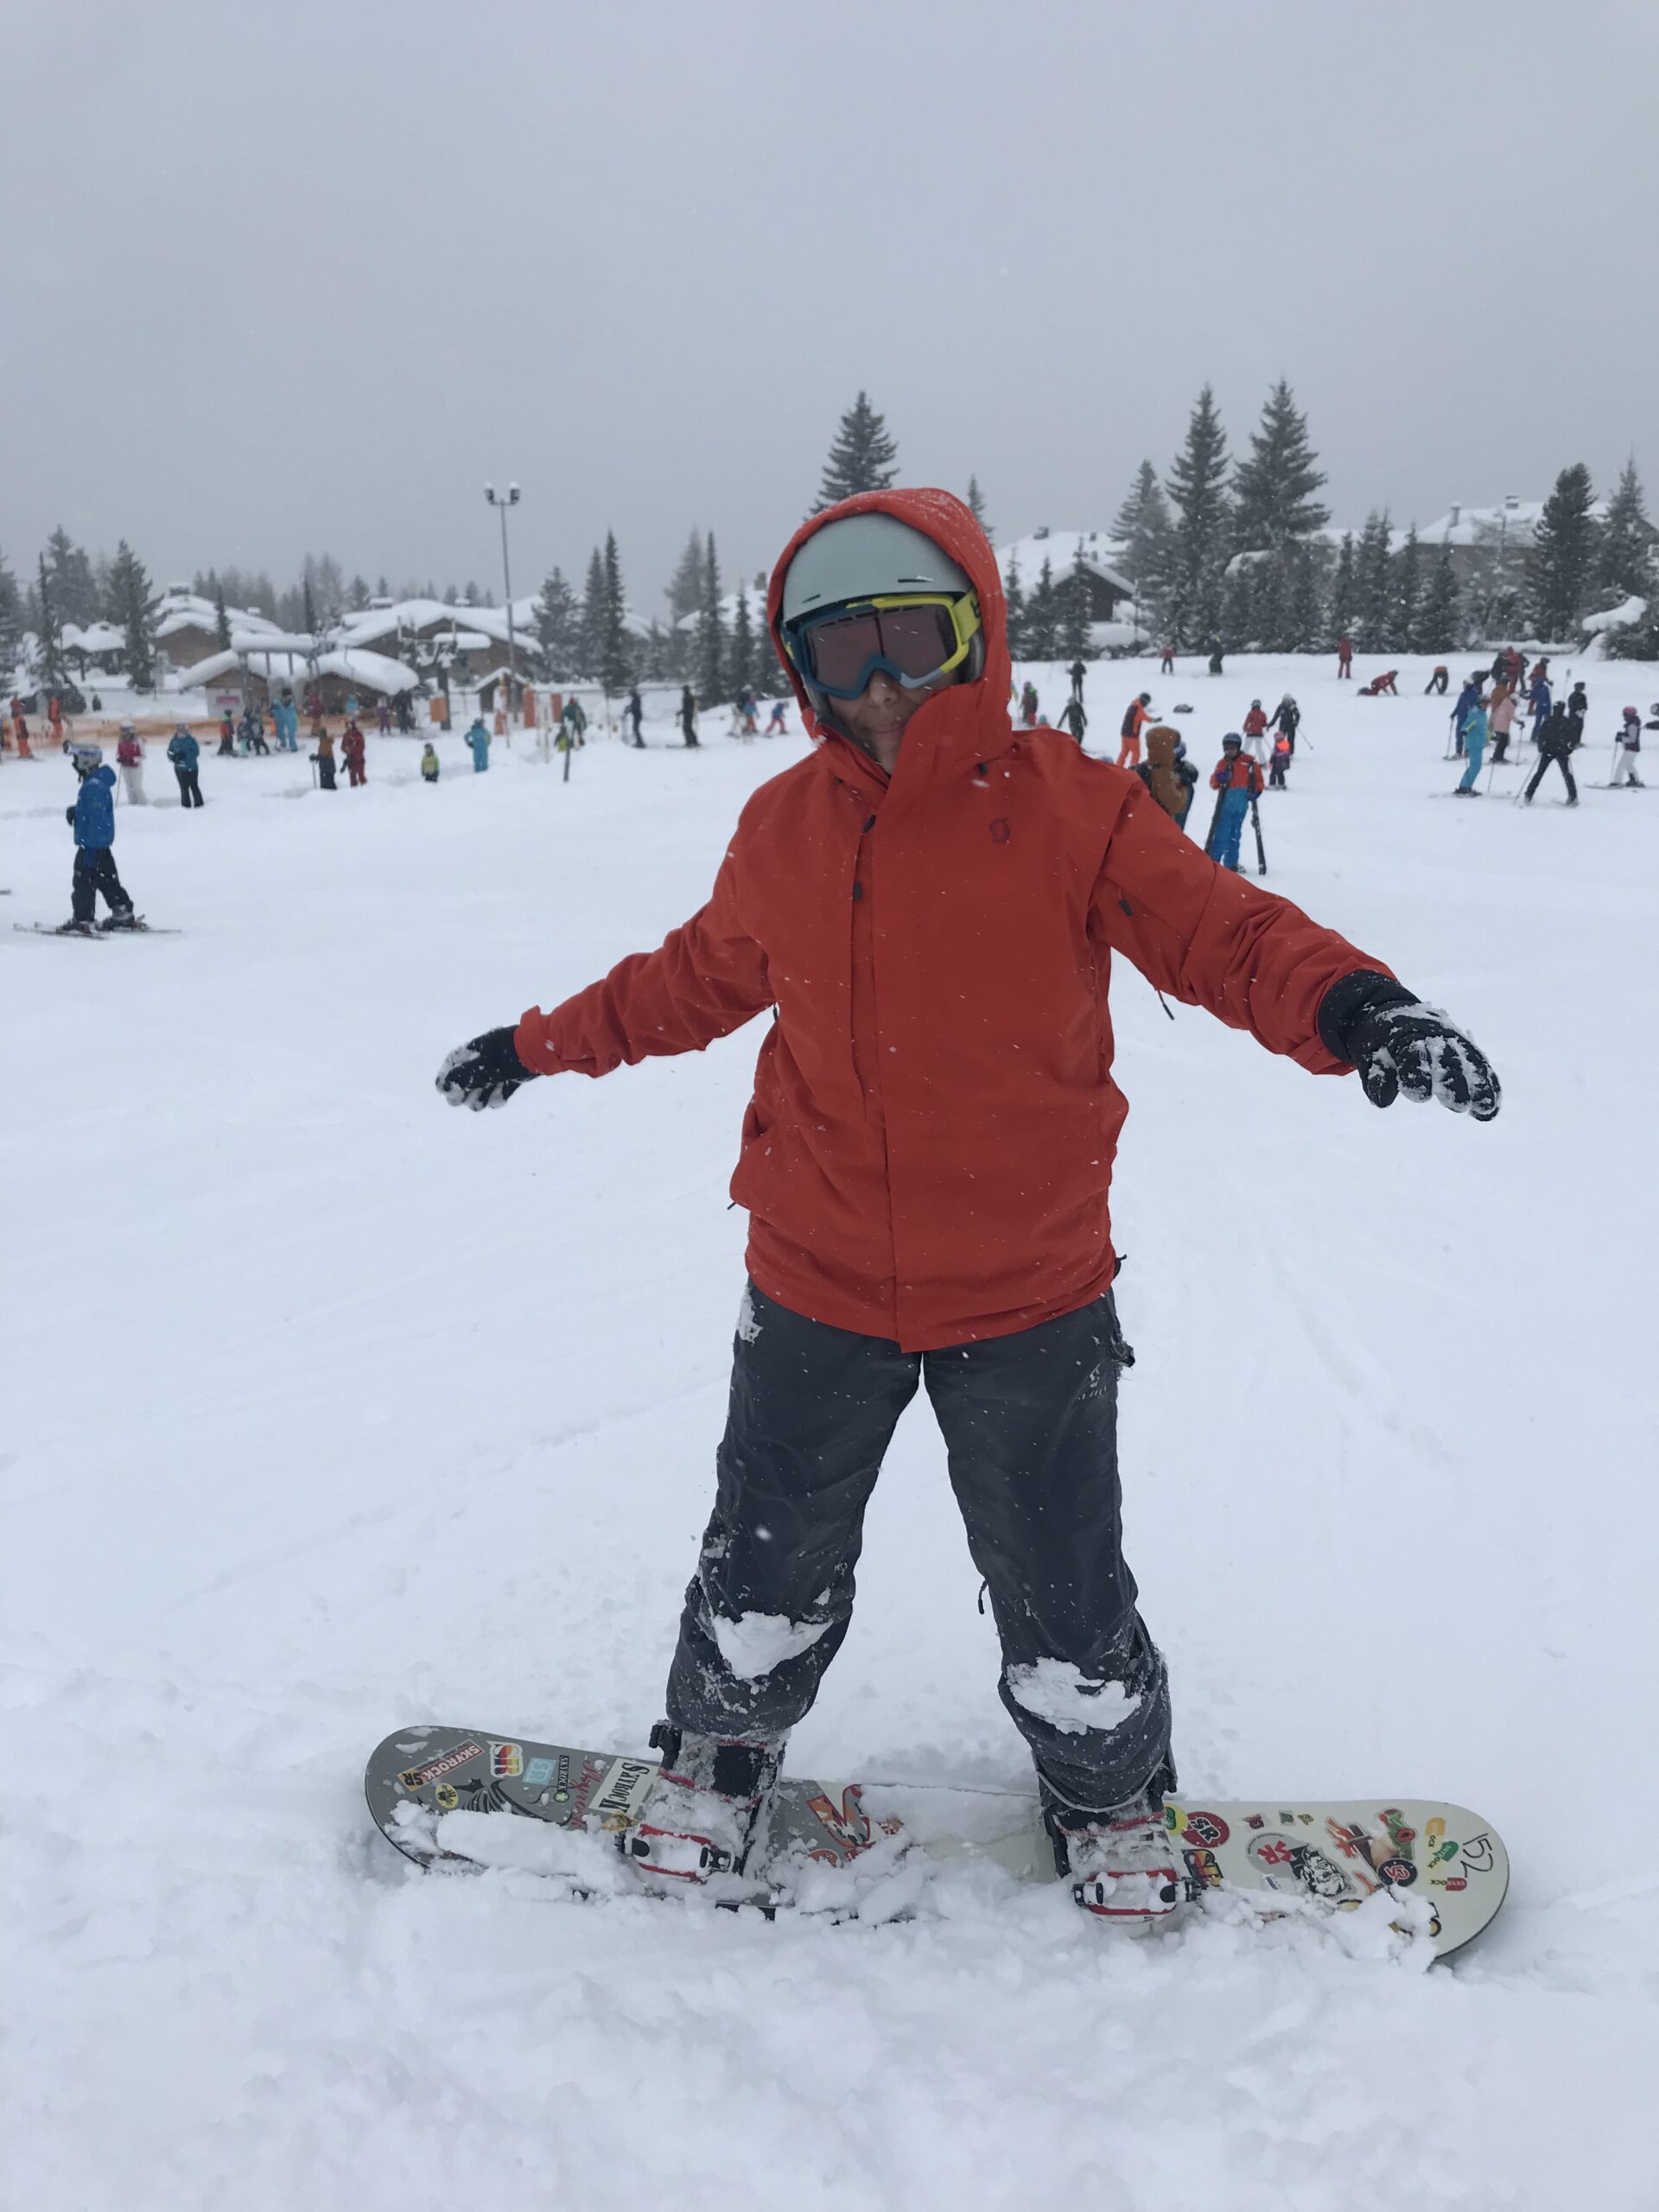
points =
(138, 927)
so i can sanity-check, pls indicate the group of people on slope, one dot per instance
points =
(1557, 729)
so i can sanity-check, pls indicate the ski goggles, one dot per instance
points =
(913, 636)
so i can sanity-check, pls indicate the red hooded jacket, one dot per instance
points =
(928, 1151)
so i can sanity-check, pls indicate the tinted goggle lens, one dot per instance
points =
(841, 652)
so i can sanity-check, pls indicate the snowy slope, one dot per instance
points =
(332, 1409)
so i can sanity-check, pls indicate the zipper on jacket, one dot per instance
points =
(863, 962)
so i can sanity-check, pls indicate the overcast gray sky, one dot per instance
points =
(283, 275)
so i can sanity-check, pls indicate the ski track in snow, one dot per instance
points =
(331, 1410)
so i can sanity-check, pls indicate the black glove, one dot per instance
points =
(485, 1072)
(1398, 1044)
(69, 815)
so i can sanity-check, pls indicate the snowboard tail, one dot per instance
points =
(425, 1784)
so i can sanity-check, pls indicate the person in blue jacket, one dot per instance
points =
(184, 753)
(286, 715)
(478, 738)
(1471, 740)
(92, 817)
(1539, 701)
(1471, 696)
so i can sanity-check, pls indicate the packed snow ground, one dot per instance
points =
(333, 1409)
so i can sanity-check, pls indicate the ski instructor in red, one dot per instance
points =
(930, 903)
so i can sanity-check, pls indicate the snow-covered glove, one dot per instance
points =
(1399, 1045)
(485, 1072)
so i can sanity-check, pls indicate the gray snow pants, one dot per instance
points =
(1030, 1423)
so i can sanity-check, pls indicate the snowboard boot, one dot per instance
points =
(703, 1811)
(1121, 1864)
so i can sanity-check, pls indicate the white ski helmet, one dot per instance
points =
(866, 557)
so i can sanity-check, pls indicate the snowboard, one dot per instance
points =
(427, 1788)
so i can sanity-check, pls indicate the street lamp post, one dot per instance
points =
(501, 504)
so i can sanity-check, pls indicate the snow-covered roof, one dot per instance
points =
(1517, 518)
(376, 622)
(188, 610)
(96, 638)
(1615, 618)
(1060, 548)
(374, 672)
(270, 640)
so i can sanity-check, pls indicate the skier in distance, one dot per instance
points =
(930, 903)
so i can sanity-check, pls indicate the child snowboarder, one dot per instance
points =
(1238, 779)
(477, 744)
(926, 1180)
(92, 819)
(184, 753)
(324, 756)
(430, 764)
(129, 757)
(354, 749)
(1627, 747)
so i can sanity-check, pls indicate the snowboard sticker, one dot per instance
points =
(1334, 1855)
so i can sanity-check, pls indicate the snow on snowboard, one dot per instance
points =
(447, 1797)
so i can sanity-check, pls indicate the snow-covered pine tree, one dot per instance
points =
(1075, 595)
(1407, 573)
(1042, 625)
(1248, 604)
(1143, 528)
(1197, 484)
(1274, 485)
(742, 640)
(12, 626)
(74, 588)
(1341, 621)
(684, 586)
(1625, 543)
(221, 619)
(1013, 593)
(558, 627)
(1438, 620)
(1302, 595)
(765, 670)
(1561, 568)
(129, 593)
(615, 655)
(976, 505)
(712, 660)
(49, 629)
(592, 615)
(860, 460)
(1373, 593)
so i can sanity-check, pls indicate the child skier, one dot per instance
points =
(1500, 717)
(478, 742)
(430, 764)
(1255, 732)
(1028, 704)
(354, 750)
(324, 756)
(1281, 761)
(925, 1165)
(776, 727)
(184, 753)
(1627, 747)
(129, 757)
(92, 819)
(1238, 780)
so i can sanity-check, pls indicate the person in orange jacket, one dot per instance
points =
(1134, 721)
(352, 750)
(928, 905)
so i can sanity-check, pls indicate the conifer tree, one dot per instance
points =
(1625, 543)
(1275, 484)
(74, 588)
(1304, 562)
(976, 505)
(1341, 624)
(592, 615)
(1145, 532)
(1075, 639)
(684, 586)
(1373, 598)
(50, 633)
(558, 627)
(1041, 616)
(1406, 621)
(307, 604)
(1013, 593)
(711, 658)
(1439, 629)
(742, 640)
(1196, 485)
(130, 594)
(615, 655)
(1561, 568)
(221, 619)
(11, 625)
(765, 667)
(860, 460)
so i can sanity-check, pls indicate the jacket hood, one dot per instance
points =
(1161, 745)
(965, 720)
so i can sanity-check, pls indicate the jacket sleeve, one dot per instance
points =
(706, 979)
(1210, 938)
